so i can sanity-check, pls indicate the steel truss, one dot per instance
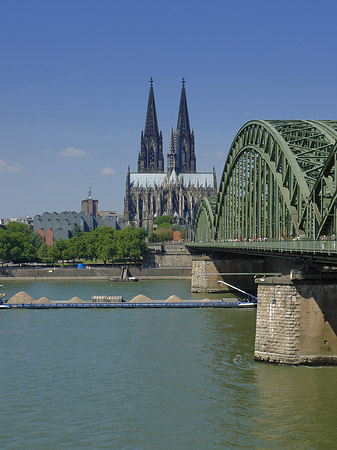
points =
(279, 180)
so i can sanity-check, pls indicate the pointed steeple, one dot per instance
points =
(183, 125)
(172, 154)
(151, 122)
(186, 162)
(151, 158)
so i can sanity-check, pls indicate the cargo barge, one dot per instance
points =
(130, 305)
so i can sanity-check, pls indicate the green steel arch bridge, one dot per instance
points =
(278, 190)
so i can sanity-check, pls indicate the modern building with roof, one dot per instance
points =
(54, 226)
(151, 191)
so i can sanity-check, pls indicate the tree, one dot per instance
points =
(57, 251)
(18, 227)
(106, 245)
(166, 234)
(90, 244)
(4, 246)
(74, 249)
(131, 243)
(163, 219)
(44, 254)
(154, 237)
(19, 244)
(76, 231)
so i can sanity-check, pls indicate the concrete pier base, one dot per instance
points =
(234, 269)
(296, 321)
(204, 275)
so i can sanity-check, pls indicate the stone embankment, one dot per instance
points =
(93, 273)
(171, 261)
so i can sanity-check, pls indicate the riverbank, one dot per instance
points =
(93, 273)
(166, 262)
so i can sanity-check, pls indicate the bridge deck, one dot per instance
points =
(316, 249)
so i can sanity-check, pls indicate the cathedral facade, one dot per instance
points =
(152, 191)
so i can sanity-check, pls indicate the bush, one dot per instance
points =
(154, 237)
(166, 234)
(163, 220)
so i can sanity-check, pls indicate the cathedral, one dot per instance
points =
(152, 191)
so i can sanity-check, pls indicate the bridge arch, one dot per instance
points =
(279, 179)
(205, 230)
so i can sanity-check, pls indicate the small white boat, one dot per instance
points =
(247, 304)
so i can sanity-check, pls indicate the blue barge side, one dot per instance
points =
(129, 305)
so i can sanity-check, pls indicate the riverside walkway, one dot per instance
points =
(320, 250)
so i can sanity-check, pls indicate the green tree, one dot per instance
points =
(4, 246)
(18, 227)
(44, 254)
(19, 244)
(57, 251)
(131, 243)
(154, 237)
(90, 240)
(166, 234)
(165, 225)
(163, 219)
(76, 231)
(74, 249)
(106, 243)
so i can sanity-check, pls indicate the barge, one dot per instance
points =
(131, 305)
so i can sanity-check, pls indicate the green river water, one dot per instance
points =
(151, 379)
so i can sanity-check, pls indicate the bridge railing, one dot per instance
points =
(296, 246)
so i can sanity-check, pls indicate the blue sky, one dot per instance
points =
(74, 84)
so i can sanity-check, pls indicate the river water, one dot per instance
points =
(166, 379)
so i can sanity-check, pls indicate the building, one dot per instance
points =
(54, 226)
(27, 220)
(89, 205)
(151, 191)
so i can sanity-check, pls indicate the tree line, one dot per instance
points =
(19, 244)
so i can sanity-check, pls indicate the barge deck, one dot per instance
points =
(130, 305)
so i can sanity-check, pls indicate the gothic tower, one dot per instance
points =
(150, 192)
(186, 162)
(151, 158)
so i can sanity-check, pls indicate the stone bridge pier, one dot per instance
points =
(204, 275)
(297, 320)
(234, 269)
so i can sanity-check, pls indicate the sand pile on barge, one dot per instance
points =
(21, 297)
(76, 300)
(43, 301)
(141, 299)
(173, 299)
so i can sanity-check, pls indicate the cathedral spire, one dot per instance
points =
(151, 158)
(183, 125)
(185, 139)
(151, 122)
(172, 154)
